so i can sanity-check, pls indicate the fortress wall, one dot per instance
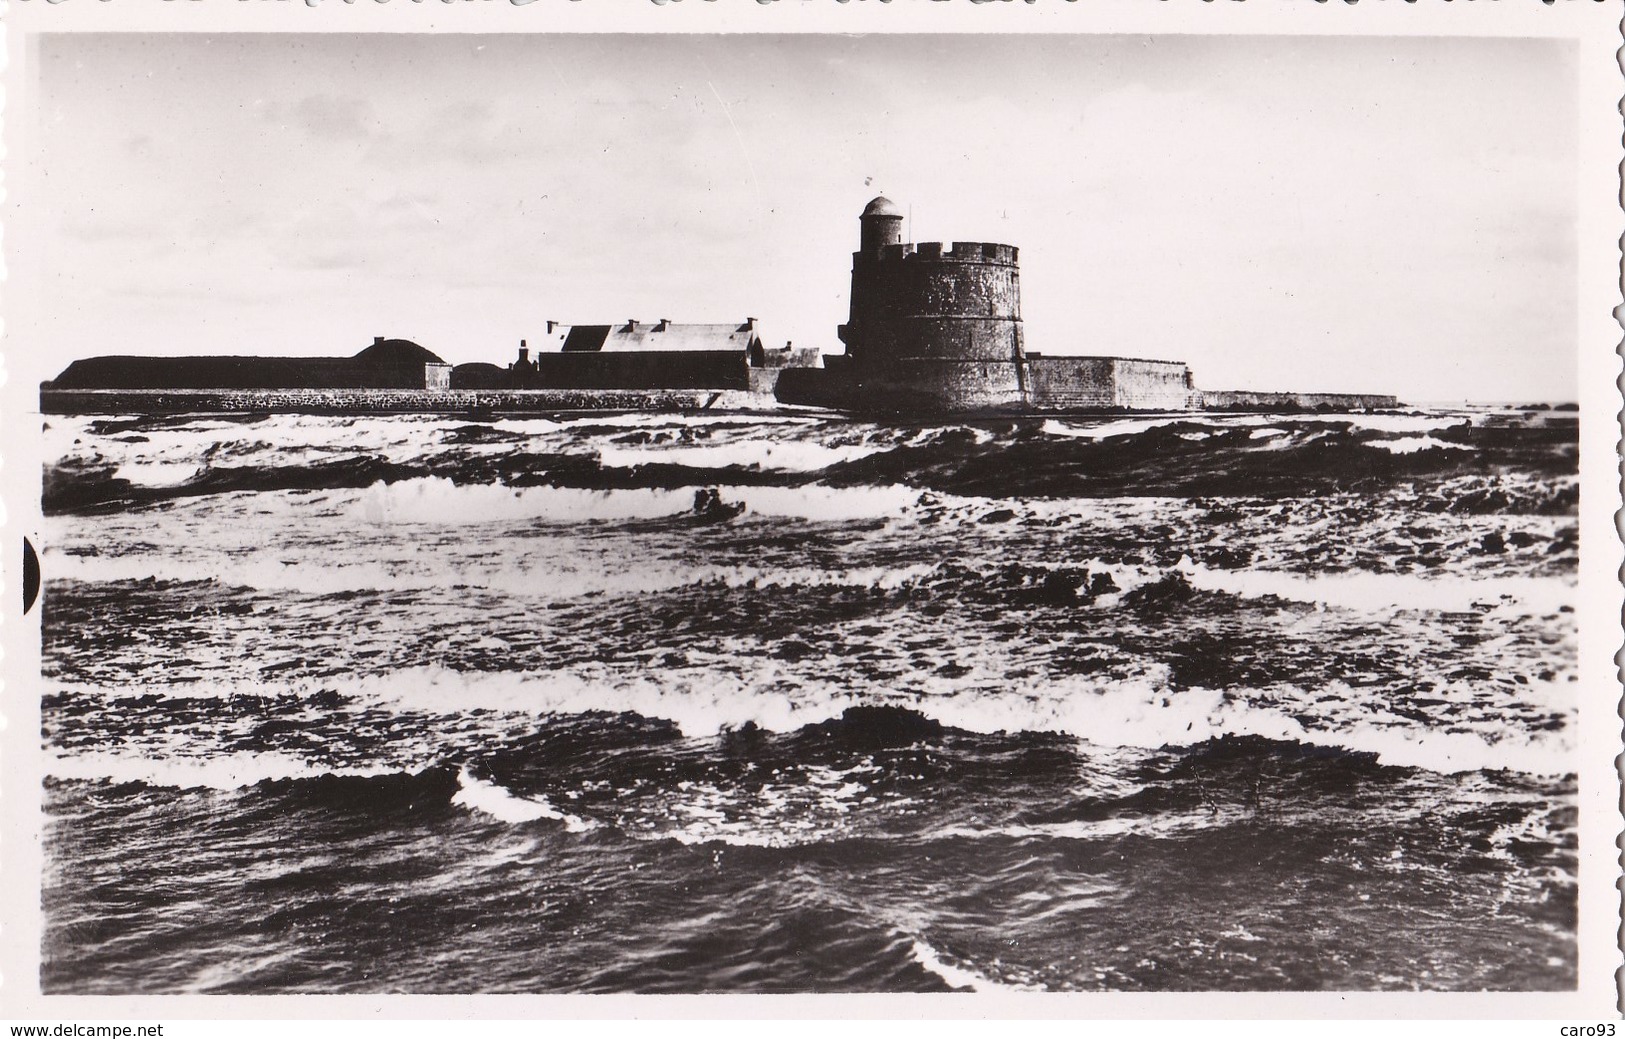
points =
(1251, 400)
(1151, 385)
(641, 370)
(635, 370)
(361, 401)
(762, 380)
(815, 387)
(1070, 382)
(1108, 382)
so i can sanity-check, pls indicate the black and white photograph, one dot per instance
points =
(751, 513)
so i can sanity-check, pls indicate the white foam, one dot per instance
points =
(699, 702)
(1448, 753)
(646, 420)
(1103, 430)
(1411, 445)
(1400, 423)
(1140, 712)
(1122, 715)
(527, 426)
(735, 688)
(824, 504)
(737, 834)
(1166, 824)
(235, 969)
(959, 977)
(1268, 424)
(538, 573)
(232, 771)
(1362, 590)
(776, 455)
(438, 500)
(508, 807)
(793, 807)
(152, 474)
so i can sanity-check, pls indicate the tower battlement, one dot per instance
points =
(947, 252)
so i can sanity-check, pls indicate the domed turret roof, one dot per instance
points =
(880, 205)
(397, 351)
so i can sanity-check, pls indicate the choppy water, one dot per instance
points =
(423, 704)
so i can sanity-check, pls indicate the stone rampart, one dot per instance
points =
(1146, 385)
(640, 370)
(1252, 400)
(353, 402)
(1070, 382)
(1108, 383)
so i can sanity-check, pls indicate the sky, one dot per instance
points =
(1295, 213)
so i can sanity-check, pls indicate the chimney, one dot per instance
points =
(524, 353)
(631, 324)
(377, 339)
(551, 325)
(665, 324)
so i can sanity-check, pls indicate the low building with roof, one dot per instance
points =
(388, 364)
(641, 355)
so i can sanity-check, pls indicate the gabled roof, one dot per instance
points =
(662, 337)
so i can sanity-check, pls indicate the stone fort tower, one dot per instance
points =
(936, 327)
(939, 321)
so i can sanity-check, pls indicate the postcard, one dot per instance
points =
(544, 510)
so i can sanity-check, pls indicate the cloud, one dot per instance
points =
(336, 259)
(99, 229)
(468, 133)
(327, 118)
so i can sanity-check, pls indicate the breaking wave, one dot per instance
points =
(1143, 714)
(1052, 457)
(493, 800)
(231, 771)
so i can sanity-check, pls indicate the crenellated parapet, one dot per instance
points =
(941, 252)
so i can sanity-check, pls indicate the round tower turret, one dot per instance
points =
(882, 224)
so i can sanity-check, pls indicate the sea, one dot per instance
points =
(790, 702)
